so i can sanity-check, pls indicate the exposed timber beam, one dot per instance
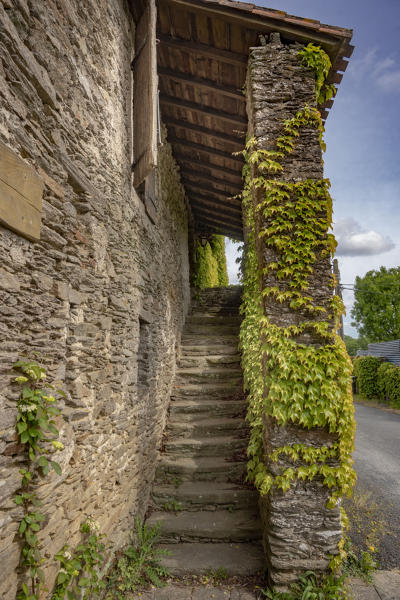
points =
(207, 189)
(202, 109)
(203, 229)
(208, 85)
(232, 58)
(203, 148)
(209, 220)
(216, 209)
(206, 184)
(210, 133)
(267, 21)
(207, 196)
(193, 174)
(199, 164)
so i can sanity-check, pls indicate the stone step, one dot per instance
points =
(208, 374)
(207, 390)
(241, 559)
(220, 525)
(200, 469)
(214, 319)
(217, 311)
(207, 338)
(200, 495)
(211, 330)
(228, 360)
(205, 427)
(212, 446)
(191, 409)
(194, 350)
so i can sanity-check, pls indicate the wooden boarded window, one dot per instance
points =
(20, 195)
(145, 104)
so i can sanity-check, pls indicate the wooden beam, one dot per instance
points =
(207, 196)
(206, 188)
(206, 164)
(202, 110)
(210, 133)
(235, 219)
(193, 174)
(232, 226)
(208, 85)
(216, 208)
(203, 148)
(265, 21)
(208, 183)
(207, 230)
(232, 58)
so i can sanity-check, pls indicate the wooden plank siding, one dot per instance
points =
(202, 60)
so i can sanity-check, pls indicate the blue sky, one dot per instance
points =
(362, 136)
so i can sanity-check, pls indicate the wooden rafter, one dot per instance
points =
(227, 56)
(204, 148)
(207, 189)
(218, 210)
(212, 220)
(199, 164)
(237, 141)
(206, 183)
(207, 85)
(202, 110)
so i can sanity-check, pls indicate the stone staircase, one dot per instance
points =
(209, 516)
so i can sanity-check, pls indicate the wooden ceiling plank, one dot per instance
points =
(202, 229)
(206, 164)
(205, 188)
(220, 203)
(203, 148)
(210, 133)
(196, 178)
(218, 208)
(233, 58)
(202, 109)
(232, 226)
(266, 23)
(203, 84)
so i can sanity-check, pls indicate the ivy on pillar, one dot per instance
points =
(296, 369)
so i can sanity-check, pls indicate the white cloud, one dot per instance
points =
(354, 241)
(385, 72)
(232, 253)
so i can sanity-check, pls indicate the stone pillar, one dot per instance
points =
(300, 533)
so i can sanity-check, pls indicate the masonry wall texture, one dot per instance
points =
(300, 533)
(101, 276)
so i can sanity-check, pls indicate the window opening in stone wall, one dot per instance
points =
(143, 378)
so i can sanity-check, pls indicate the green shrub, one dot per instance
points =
(393, 386)
(206, 267)
(382, 379)
(366, 371)
(218, 248)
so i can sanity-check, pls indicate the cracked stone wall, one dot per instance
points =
(102, 276)
(300, 533)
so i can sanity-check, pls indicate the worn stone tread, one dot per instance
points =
(205, 446)
(201, 495)
(241, 559)
(192, 409)
(201, 468)
(222, 525)
(209, 349)
(205, 426)
(206, 389)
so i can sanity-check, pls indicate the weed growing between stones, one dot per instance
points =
(37, 434)
(139, 564)
(311, 587)
(358, 564)
(173, 506)
(79, 577)
(216, 576)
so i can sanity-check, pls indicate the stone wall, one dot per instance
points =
(102, 276)
(300, 533)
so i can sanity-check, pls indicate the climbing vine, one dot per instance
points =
(37, 434)
(210, 263)
(293, 382)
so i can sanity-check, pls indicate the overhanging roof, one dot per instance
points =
(202, 60)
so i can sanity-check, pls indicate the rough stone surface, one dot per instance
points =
(299, 532)
(104, 293)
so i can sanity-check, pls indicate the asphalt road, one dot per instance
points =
(376, 503)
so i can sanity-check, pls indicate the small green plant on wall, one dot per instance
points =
(37, 433)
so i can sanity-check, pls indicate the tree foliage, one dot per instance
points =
(210, 263)
(376, 310)
(354, 344)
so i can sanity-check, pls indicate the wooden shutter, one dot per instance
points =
(20, 195)
(145, 82)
